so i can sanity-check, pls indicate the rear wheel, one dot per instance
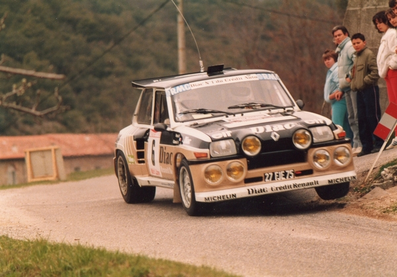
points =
(186, 188)
(333, 191)
(129, 188)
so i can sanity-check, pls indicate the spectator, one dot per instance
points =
(364, 80)
(393, 5)
(338, 107)
(345, 52)
(387, 58)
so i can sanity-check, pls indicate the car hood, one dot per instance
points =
(274, 128)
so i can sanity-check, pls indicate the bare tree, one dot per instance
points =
(7, 99)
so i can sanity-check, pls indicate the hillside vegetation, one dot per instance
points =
(102, 45)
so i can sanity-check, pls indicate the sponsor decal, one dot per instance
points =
(178, 89)
(341, 180)
(280, 188)
(272, 128)
(218, 81)
(257, 191)
(226, 134)
(314, 121)
(164, 156)
(269, 76)
(186, 140)
(220, 197)
(295, 186)
(166, 170)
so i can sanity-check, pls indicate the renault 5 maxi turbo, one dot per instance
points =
(226, 134)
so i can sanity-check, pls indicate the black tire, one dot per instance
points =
(129, 188)
(333, 191)
(186, 188)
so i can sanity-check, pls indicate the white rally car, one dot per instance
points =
(226, 134)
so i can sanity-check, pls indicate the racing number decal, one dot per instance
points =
(153, 151)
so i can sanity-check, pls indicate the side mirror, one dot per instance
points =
(160, 127)
(300, 104)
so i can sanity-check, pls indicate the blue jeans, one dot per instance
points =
(368, 117)
(351, 105)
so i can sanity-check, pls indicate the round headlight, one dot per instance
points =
(321, 158)
(213, 174)
(302, 139)
(342, 156)
(235, 171)
(251, 145)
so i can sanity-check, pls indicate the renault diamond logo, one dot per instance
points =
(275, 136)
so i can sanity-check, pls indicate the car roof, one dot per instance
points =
(212, 72)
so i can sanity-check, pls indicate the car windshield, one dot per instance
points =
(228, 95)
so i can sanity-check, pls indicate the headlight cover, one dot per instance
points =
(251, 146)
(322, 133)
(235, 171)
(213, 174)
(342, 156)
(221, 148)
(302, 139)
(321, 158)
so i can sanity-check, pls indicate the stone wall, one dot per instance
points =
(358, 19)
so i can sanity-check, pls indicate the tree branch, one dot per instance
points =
(32, 73)
(20, 90)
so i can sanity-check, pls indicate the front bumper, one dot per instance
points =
(275, 187)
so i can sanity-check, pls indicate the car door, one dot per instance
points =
(160, 150)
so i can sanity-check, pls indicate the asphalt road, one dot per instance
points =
(291, 234)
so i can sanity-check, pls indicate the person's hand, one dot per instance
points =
(338, 95)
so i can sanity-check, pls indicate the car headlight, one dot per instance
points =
(321, 158)
(342, 156)
(322, 133)
(213, 174)
(235, 171)
(251, 146)
(223, 148)
(302, 139)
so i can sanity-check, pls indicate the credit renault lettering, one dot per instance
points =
(225, 134)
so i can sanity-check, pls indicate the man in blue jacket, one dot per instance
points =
(345, 52)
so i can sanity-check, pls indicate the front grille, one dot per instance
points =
(276, 158)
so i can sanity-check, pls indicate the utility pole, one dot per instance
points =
(181, 41)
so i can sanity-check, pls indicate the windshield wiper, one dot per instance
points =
(255, 105)
(205, 111)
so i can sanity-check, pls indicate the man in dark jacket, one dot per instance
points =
(364, 80)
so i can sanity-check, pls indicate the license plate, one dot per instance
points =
(279, 175)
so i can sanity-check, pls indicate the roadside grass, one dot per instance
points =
(41, 258)
(74, 176)
(390, 210)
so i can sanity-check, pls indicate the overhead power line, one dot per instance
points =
(281, 13)
(117, 42)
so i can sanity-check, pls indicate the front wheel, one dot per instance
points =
(333, 191)
(186, 188)
(129, 188)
